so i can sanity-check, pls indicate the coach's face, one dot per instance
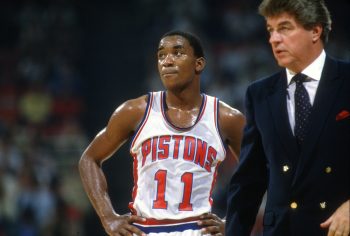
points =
(293, 46)
(177, 65)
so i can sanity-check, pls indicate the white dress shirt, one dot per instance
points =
(313, 72)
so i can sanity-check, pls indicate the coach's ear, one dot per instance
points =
(316, 33)
(200, 64)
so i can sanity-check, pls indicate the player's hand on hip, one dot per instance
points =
(121, 225)
(339, 222)
(212, 224)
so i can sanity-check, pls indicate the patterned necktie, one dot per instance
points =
(302, 107)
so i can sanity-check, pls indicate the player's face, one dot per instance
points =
(176, 62)
(291, 43)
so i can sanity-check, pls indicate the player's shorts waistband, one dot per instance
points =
(168, 225)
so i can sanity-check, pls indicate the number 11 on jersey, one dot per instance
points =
(160, 202)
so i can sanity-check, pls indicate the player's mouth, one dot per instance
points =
(169, 72)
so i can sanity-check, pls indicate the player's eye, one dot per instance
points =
(161, 55)
(178, 53)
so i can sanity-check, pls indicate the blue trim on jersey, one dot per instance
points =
(200, 113)
(143, 119)
(169, 228)
(218, 125)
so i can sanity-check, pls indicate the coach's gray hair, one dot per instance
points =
(308, 13)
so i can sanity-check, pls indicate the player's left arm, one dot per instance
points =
(231, 124)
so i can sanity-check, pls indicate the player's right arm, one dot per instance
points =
(121, 126)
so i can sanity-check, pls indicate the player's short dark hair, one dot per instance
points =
(193, 40)
(308, 13)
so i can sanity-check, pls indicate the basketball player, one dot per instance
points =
(179, 136)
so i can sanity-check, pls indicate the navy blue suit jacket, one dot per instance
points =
(306, 185)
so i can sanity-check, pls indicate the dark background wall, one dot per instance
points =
(66, 65)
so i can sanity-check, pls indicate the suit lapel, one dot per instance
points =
(278, 107)
(325, 97)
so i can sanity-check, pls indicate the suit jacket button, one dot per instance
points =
(328, 169)
(323, 205)
(285, 168)
(293, 205)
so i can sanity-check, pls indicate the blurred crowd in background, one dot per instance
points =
(65, 65)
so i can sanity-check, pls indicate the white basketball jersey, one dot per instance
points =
(175, 168)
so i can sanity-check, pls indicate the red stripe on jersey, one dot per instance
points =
(213, 183)
(151, 221)
(134, 190)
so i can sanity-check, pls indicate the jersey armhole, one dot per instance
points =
(217, 125)
(144, 119)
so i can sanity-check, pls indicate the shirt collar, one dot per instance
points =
(313, 71)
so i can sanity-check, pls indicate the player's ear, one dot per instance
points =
(200, 64)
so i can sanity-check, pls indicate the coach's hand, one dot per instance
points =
(339, 223)
(121, 225)
(212, 224)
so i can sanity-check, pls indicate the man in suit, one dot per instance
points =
(296, 144)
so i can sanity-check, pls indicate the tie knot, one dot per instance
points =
(299, 78)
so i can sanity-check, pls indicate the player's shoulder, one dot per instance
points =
(136, 104)
(129, 113)
(131, 109)
(231, 121)
(227, 111)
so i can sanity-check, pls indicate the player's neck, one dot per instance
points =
(183, 100)
(182, 111)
